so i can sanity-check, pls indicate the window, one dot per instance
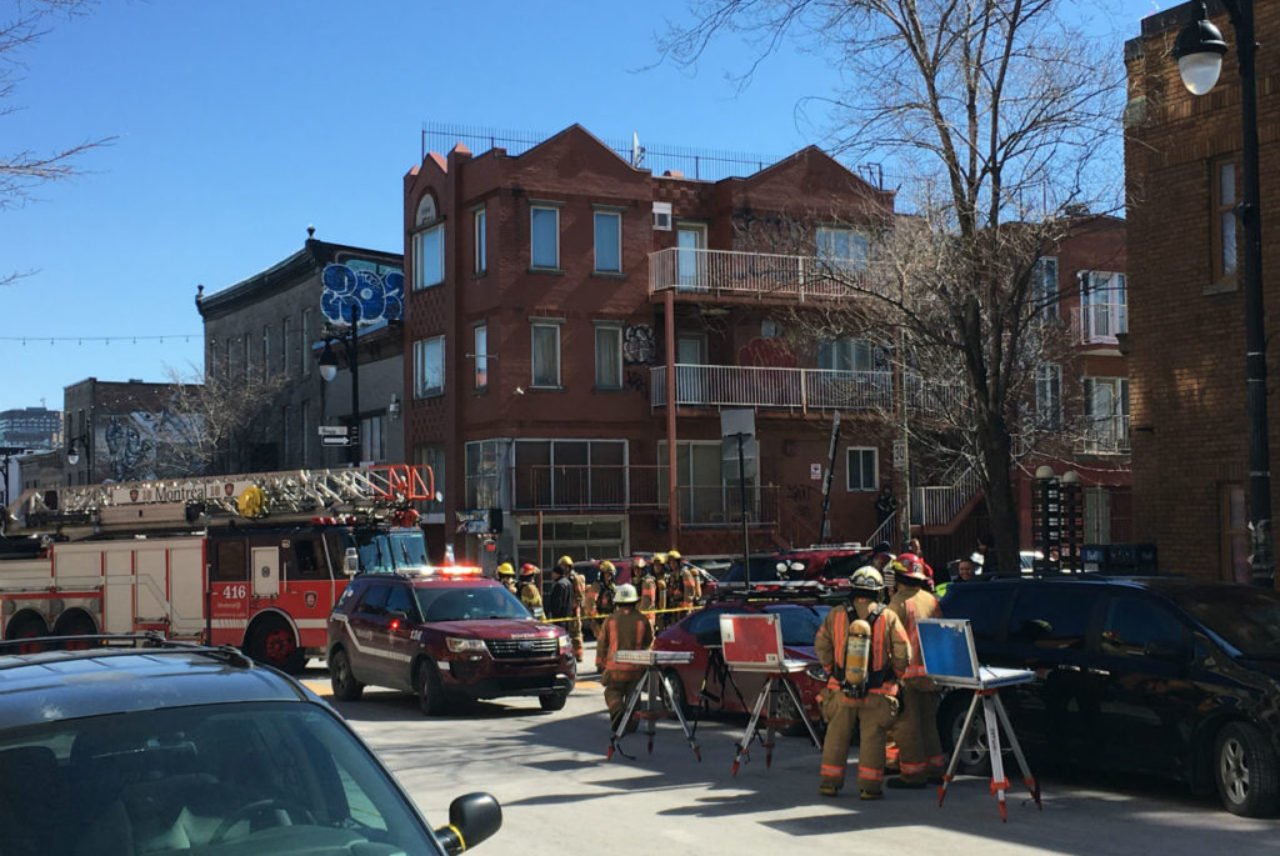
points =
(842, 250)
(1224, 225)
(570, 473)
(1049, 397)
(770, 329)
(482, 356)
(851, 355)
(1234, 547)
(1044, 287)
(662, 216)
(266, 352)
(226, 361)
(304, 363)
(983, 605)
(308, 559)
(433, 456)
(861, 470)
(546, 354)
(608, 356)
(372, 439)
(608, 241)
(285, 356)
(231, 561)
(1136, 627)
(706, 494)
(248, 356)
(428, 367)
(304, 412)
(401, 600)
(544, 240)
(1106, 407)
(482, 474)
(286, 437)
(1103, 305)
(1051, 616)
(479, 219)
(428, 257)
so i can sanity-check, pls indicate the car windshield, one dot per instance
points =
(383, 552)
(762, 568)
(1248, 618)
(800, 623)
(262, 778)
(469, 604)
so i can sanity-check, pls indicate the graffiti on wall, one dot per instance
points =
(378, 296)
(141, 445)
(638, 347)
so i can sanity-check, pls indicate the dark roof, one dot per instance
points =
(98, 682)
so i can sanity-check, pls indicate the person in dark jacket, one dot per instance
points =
(560, 597)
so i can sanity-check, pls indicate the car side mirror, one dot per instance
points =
(472, 818)
(351, 562)
(398, 615)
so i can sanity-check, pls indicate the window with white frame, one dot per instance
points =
(841, 249)
(1049, 396)
(428, 367)
(1104, 311)
(570, 473)
(544, 237)
(1225, 247)
(482, 356)
(706, 494)
(1044, 287)
(428, 257)
(851, 355)
(608, 356)
(481, 239)
(1106, 407)
(484, 459)
(546, 353)
(861, 470)
(608, 241)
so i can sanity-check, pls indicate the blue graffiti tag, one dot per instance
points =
(381, 298)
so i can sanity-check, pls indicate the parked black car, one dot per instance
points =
(1158, 675)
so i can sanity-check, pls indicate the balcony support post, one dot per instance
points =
(673, 485)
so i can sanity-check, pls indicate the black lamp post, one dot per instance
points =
(329, 370)
(1199, 50)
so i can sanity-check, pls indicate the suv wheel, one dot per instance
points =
(429, 688)
(554, 701)
(975, 754)
(1246, 771)
(345, 685)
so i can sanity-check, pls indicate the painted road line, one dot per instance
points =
(324, 689)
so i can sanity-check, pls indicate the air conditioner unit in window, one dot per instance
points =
(662, 216)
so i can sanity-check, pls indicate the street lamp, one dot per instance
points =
(329, 370)
(1199, 50)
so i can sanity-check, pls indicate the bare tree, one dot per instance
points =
(212, 418)
(995, 112)
(22, 25)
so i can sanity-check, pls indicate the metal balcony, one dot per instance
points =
(763, 276)
(790, 389)
(1108, 435)
(1100, 323)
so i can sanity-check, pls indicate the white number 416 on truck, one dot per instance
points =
(253, 560)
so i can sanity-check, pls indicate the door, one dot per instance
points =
(266, 571)
(691, 261)
(364, 624)
(118, 592)
(692, 382)
(401, 620)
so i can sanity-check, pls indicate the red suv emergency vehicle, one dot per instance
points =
(445, 635)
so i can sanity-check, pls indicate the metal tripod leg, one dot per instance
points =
(653, 693)
(955, 752)
(632, 698)
(747, 736)
(999, 782)
(1017, 753)
(684, 723)
(804, 717)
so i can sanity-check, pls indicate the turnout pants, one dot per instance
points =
(916, 733)
(617, 686)
(575, 636)
(873, 715)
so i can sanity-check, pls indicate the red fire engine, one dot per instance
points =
(254, 560)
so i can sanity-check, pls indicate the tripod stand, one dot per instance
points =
(718, 670)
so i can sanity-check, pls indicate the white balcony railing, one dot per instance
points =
(748, 386)
(1106, 435)
(1102, 322)
(727, 273)
(937, 505)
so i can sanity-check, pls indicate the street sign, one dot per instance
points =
(331, 430)
(332, 440)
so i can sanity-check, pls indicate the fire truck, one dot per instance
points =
(252, 560)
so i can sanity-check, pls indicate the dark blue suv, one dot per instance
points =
(1159, 675)
(135, 745)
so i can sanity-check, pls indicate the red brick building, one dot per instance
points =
(1182, 168)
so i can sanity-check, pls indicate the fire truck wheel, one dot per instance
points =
(429, 688)
(271, 642)
(27, 627)
(345, 685)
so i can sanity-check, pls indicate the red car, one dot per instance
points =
(706, 681)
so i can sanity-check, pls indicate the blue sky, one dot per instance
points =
(239, 122)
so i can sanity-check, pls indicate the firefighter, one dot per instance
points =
(864, 649)
(690, 585)
(624, 630)
(579, 587)
(648, 577)
(661, 585)
(529, 594)
(507, 576)
(916, 732)
(600, 598)
(881, 557)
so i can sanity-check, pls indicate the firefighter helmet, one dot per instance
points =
(909, 566)
(866, 581)
(606, 565)
(638, 563)
(626, 593)
(659, 558)
(505, 570)
(674, 555)
(528, 571)
(567, 561)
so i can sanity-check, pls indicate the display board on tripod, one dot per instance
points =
(752, 642)
(951, 658)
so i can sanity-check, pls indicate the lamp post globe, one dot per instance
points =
(1199, 49)
(328, 363)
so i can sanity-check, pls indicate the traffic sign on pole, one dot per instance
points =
(333, 440)
(331, 430)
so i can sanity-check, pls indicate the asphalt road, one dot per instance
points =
(560, 796)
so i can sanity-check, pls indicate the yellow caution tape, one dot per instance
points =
(603, 615)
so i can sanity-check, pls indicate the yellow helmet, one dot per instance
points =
(566, 560)
(674, 555)
(606, 565)
(505, 570)
(660, 558)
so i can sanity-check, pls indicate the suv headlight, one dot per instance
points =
(566, 644)
(458, 645)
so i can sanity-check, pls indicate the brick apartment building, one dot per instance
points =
(559, 299)
(121, 431)
(267, 333)
(1182, 168)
